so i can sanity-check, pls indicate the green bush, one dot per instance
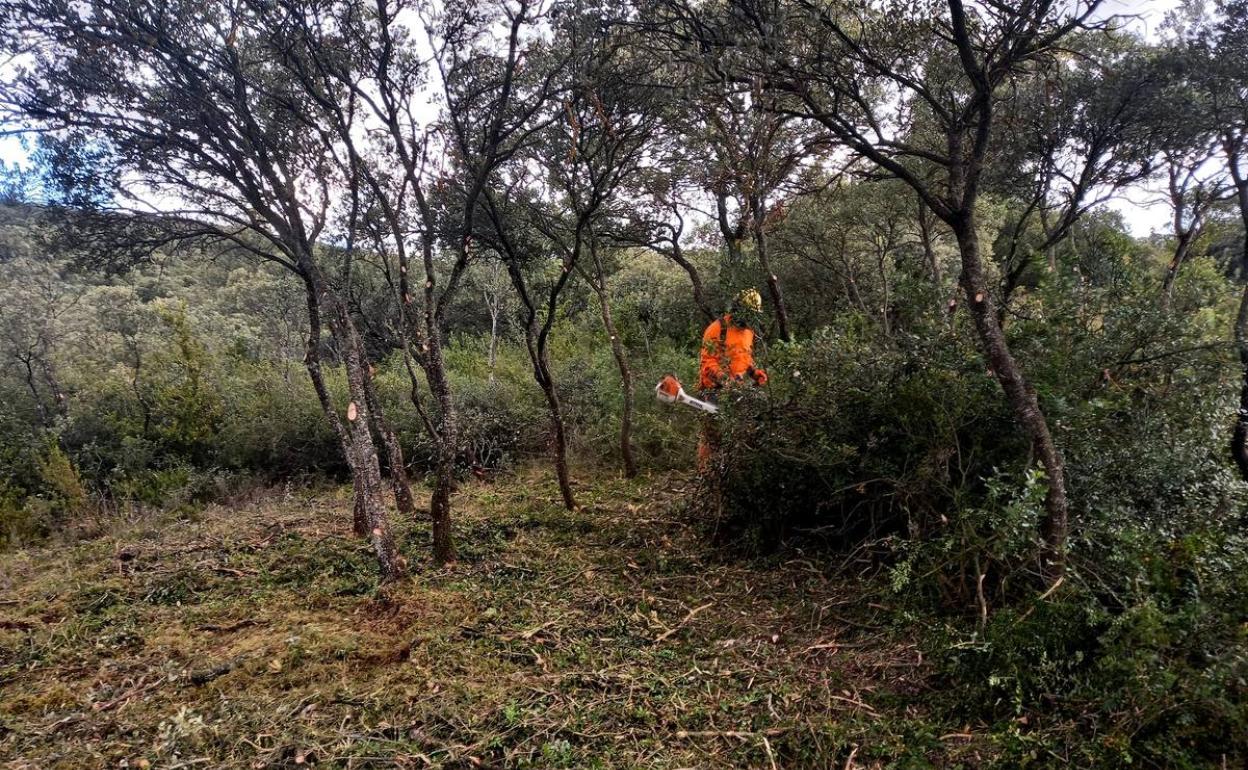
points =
(852, 439)
(1158, 668)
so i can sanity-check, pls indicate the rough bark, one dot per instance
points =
(447, 441)
(365, 465)
(395, 464)
(312, 362)
(1020, 394)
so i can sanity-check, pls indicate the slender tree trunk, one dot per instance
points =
(886, 309)
(764, 261)
(312, 362)
(535, 340)
(732, 235)
(34, 393)
(395, 464)
(929, 250)
(540, 357)
(1239, 438)
(365, 466)
(493, 355)
(447, 442)
(626, 374)
(1020, 394)
(558, 431)
(676, 254)
(1181, 249)
(851, 283)
(59, 403)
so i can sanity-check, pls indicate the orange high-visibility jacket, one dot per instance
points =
(727, 353)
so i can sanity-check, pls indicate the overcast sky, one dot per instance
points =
(1141, 215)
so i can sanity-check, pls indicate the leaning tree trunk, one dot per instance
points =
(365, 466)
(626, 373)
(1181, 249)
(676, 254)
(399, 483)
(312, 362)
(540, 357)
(764, 261)
(1019, 393)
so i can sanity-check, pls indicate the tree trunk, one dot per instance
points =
(1021, 396)
(312, 362)
(365, 467)
(1239, 438)
(448, 442)
(34, 392)
(493, 355)
(677, 255)
(882, 264)
(1181, 249)
(540, 357)
(764, 261)
(558, 432)
(626, 375)
(732, 235)
(399, 482)
(929, 250)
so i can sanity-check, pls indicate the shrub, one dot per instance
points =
(851, 438)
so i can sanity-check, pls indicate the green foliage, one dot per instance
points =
(1155, 663)
(905, 435)
(852, 438)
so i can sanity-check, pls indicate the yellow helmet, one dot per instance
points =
(750, 299)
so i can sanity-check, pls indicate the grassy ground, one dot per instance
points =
(254, 636)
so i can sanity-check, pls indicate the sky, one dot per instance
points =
(1141, 212)
(1140, 209)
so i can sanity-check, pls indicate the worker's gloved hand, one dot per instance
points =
(760, 377)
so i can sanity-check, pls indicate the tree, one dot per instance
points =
(917, 92)
(193, 111)
(1219, 45)
(755, 154)
(591, 159)
(1188, 147)
(1080, 126)
(501, 95)
(36, 298)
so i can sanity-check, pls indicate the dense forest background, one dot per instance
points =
(257, 263)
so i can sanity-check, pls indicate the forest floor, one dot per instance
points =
(254, 636)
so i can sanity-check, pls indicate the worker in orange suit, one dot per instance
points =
(727, 356)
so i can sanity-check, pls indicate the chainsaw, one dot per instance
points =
(669, 391)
